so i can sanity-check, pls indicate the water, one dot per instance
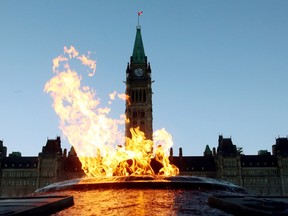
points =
(144, 198)
(141, 202)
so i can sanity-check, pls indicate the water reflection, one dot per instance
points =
(141, 202)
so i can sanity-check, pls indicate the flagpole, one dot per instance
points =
(139, 14)
(138, 19)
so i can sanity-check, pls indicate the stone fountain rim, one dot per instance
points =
(143, 182)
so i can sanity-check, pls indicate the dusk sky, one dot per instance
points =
(220, 67)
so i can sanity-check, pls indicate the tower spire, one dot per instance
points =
(138, 55)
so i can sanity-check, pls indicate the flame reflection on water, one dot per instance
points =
(140, 202)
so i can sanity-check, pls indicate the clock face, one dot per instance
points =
(138, 72)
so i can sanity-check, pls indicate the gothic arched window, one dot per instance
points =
(133, 96)
(137, 97)
(144, 96)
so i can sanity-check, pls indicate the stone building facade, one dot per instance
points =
(23, 175)
(262, 174)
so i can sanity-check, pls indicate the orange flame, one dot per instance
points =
(95, 136)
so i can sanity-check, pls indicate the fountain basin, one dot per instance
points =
(142, 195)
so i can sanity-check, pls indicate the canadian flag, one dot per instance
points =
(140, 13)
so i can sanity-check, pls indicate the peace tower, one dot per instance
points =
(138, 88)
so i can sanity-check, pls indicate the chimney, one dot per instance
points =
(65, 153)
(180, 153)
(214, 151)
(171, 152)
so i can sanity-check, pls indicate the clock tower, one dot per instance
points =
(138, 89)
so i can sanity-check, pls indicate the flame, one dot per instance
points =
(112, 97)
(71, 51)
(98, 140)
(88, 62)
(124, 97)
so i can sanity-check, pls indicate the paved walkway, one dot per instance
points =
(251, 205)
(42, 205)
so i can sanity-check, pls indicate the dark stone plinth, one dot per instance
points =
(250, 205)
(42, 205)
(143, 182)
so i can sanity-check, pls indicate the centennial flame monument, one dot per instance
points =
(102, 147)
(141, 163)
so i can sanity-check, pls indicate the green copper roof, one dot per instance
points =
(208, 150)
(138, 51)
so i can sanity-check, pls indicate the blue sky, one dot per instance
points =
(220, 67)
